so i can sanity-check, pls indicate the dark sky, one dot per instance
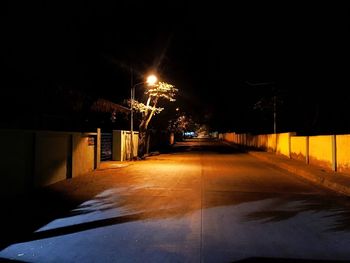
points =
(224, 56)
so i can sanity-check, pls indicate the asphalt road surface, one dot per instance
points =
(204, 202)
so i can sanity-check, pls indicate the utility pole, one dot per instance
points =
(132, 97)
(274, 114)
(274, 100)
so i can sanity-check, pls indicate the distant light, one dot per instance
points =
(189, 133)
(151, 80)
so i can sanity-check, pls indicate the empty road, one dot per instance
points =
(204, 202)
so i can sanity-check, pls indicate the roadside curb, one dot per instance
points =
(335, 181)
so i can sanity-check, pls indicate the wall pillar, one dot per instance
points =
(307, 159)
(334, 153)
(98, 149)
(70, 157)
(289, 145)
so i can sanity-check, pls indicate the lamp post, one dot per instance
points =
(151, 80)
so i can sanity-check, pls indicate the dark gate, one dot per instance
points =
(106, 146)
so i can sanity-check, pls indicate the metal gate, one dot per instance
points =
(106, 146)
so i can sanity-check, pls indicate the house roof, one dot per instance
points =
(102, 105)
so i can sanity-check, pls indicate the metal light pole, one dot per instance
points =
(132, 122)
(274, 115)
(151, 80)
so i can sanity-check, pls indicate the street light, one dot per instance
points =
(150, 81)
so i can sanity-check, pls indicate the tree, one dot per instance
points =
(162, 90)
(181, 124)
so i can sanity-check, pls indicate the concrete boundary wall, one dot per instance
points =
(298, 148)
(327, 151)
(343, 153)
(283, 144)
(320, 151)
(121, 146)
(32, 159)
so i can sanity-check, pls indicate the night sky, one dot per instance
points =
(224, 58)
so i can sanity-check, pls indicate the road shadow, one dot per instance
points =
(285, 206)
(46, 206)
(23, 214)
(6, 260)
(337, 208)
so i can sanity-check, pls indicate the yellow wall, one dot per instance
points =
(229, 137)
(51, 157)
(320, 150)
(283, 144)
(31, 158)
(320, 147)
(271, 142)
(343, 153)
(83, 155)
(252, 140)
(298, 147)
(262, 141)
(60, 155)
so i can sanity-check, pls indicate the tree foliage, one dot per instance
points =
(161, 90)
(182, 124)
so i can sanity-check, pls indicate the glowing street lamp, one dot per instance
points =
(150, 81)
